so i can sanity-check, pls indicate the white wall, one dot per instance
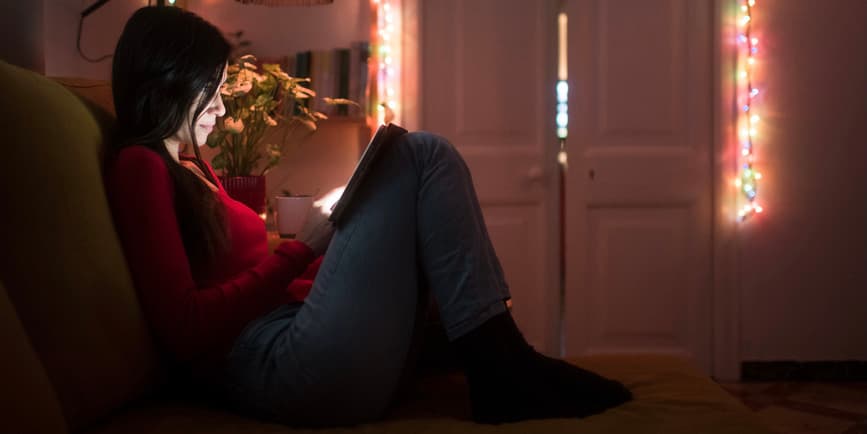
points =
(100, 32)
(802, 263)
(285, 30)
(272, 31)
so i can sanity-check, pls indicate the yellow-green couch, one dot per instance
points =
(77, 355)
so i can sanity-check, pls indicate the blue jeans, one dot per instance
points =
(338, 358)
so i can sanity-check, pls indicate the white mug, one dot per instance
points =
(292, 214)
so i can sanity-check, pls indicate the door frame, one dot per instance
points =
(726, 279)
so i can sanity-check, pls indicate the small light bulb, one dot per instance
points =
(758, 175)
(743, 74)
(744, 8)
(754, 92)
(738, 183)
(754, 41)
(745, 152)
(754, 118)
(753, 132)
(759, 209)
(746, 20)
(752, 3)
(751, 61)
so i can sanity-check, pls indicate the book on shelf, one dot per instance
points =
(335, 73)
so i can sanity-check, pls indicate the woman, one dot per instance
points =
(318, 332)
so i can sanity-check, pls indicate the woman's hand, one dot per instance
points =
(317, 230)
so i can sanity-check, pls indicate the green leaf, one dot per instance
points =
(340, 101)
(219, 161)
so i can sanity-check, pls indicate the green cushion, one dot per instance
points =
(62, 263)
(28, 403)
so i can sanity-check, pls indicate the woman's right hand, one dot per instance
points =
(317, 230)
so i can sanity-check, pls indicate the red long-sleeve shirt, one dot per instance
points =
(198, 320)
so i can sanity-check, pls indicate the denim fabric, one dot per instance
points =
(338, 357)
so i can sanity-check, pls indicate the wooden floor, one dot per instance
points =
(806, 407)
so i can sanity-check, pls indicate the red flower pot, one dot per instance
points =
(249, 190)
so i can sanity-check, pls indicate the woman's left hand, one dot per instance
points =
(317, 230)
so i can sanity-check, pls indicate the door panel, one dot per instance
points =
(488, 74)
(638, 191)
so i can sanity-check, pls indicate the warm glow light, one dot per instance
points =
(562, 87)
(388, 29)
(330, 198)
(747, 179)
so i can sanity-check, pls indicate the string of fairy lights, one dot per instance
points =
(387, 49)
(748, 177)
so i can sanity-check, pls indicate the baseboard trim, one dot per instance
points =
(833, 370)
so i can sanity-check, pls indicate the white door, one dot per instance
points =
(488, 74)
(638, 190)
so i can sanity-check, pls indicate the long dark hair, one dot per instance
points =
(165, 59)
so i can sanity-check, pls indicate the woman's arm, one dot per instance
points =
(189, 321)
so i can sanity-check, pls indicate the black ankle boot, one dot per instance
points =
(509, 381)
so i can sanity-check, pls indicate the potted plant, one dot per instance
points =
(256, 101)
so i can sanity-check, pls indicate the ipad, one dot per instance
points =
(385, 135)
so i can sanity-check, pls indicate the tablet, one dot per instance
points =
(385, 136)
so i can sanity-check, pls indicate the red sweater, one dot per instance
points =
(198, 320)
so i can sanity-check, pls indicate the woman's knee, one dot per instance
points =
(430, 146)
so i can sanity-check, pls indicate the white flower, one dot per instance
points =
(242, 88)
(232, 125)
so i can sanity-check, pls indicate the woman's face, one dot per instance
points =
(206, 121)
